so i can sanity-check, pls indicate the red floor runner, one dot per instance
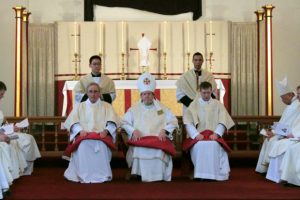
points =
(244, 183)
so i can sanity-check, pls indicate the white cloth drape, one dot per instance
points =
(243, 62)
(41, 69)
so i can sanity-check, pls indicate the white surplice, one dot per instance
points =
(278, 150)
(90, 163)
(107, 86)
(187, 85)
(151, 164)
(287, 118)
(209, 158)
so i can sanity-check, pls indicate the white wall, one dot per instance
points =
(286, 28)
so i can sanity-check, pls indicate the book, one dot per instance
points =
(23, 124)
(282, 129)
(263, 132)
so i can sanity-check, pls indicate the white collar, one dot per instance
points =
(203, 102)
(294, 98)
(89, 103)
(148, 106)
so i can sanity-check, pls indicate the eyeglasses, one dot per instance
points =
(96, 64)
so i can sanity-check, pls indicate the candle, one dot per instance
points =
(100, 36)
(188, 36)
(122, 37)
(76, 32)
(210, 35)
(165, 37)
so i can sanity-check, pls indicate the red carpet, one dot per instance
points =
(244, 183)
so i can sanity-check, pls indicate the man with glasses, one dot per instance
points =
(287, 118)
(290, 166)
(108, 92)
(277, 153)
(92, 126)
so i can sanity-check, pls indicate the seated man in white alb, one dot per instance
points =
(91, 123)
(206, 120)
(279, 148)
(11, 164)
(287, 118)
(149, 119)
(290, 167)
(27, 144)
(23, 151)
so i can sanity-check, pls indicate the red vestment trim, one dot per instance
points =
(154, 142)
(189, 142)
(91, 136)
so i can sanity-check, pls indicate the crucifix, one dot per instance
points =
(144, 46)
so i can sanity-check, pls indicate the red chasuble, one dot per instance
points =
(91, 136)
(154, 142)
(189, 142)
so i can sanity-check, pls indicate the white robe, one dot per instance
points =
(6, 158)
(150, 164)
(22, 152)
(27, 148)
(4, 185)
(90, 163)
(287, 118)
(278, 151)
(209, 158)
(290, 167)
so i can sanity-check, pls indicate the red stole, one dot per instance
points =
(154, 142)
(91, 136)
(189, 142)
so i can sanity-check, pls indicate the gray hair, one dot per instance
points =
(95, 84)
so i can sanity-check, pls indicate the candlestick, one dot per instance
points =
(123, 77)
(165, 66)
(210, 61)
(188, 60)
(76, 65)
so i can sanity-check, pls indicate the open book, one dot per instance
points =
(263, 132)
(281, 129)
(23, 124)
(8, 129)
